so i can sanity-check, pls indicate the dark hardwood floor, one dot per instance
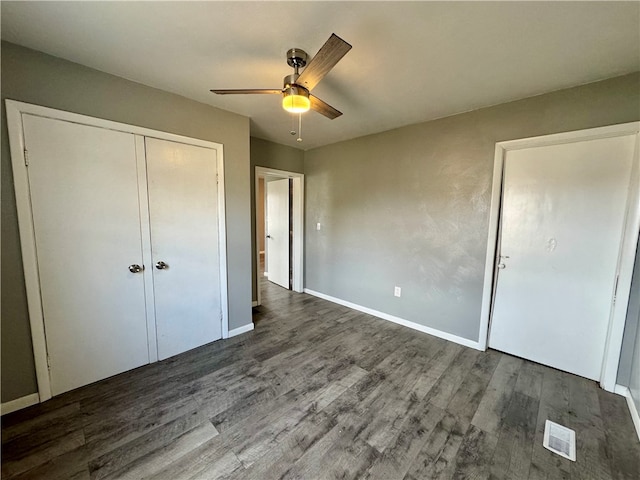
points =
(321, 391)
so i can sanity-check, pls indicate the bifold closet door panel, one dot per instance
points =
(84, 200)
(183, 212)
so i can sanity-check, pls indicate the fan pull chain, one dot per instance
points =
(293, 125)
(299, 139)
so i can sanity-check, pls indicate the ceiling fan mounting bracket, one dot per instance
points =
(297, 58)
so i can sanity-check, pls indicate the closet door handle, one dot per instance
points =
(135, 268)
(161, 266)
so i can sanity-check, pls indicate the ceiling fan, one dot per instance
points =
(295, 93)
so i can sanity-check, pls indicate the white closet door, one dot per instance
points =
(84, 197)
(183, 211)
(278, 232)
(562, 220)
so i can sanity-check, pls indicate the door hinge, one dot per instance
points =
(48, 362)
(26, 157)
(615, 289)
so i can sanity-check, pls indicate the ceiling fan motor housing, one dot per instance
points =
(292, 88)
(295, 90)
(292, 80)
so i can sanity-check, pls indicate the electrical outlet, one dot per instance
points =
(397, 291)
(318, 226)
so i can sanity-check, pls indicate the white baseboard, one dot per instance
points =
(240, 330)
(621, 390)
(20, 403)
(266, 274)
(625, 392)
(254, 303)
(400, 321)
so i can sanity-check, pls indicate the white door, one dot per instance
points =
(86, 216)
(562, 221)
(278, 232)
(183, 211)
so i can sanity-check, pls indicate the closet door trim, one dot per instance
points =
(145, 233)
(19, 158)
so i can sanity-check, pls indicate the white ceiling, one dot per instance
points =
(410, 62)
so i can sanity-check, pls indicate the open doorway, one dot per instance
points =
(279, 227)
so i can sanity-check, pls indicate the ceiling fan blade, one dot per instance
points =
(244, 91)
(323, 108)
(329, 54)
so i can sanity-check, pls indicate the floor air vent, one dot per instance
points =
(560, 440)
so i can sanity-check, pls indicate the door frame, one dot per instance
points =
(298, 226)
(19, 160)
(628, 242)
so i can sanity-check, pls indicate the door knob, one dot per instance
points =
(135, 268)
(161, 266)
(501, 266)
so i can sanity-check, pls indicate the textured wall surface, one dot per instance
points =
(410, 207)
(270, 155)
(33, 77)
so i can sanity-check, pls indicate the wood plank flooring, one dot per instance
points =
(321, 391)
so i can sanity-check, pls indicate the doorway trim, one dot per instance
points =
(298, 226)
(628, 243)
(15, 111)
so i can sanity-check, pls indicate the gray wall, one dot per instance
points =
(410, 207)
(37, 78)
(271, 155)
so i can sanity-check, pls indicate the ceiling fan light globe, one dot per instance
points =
(296, 103)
